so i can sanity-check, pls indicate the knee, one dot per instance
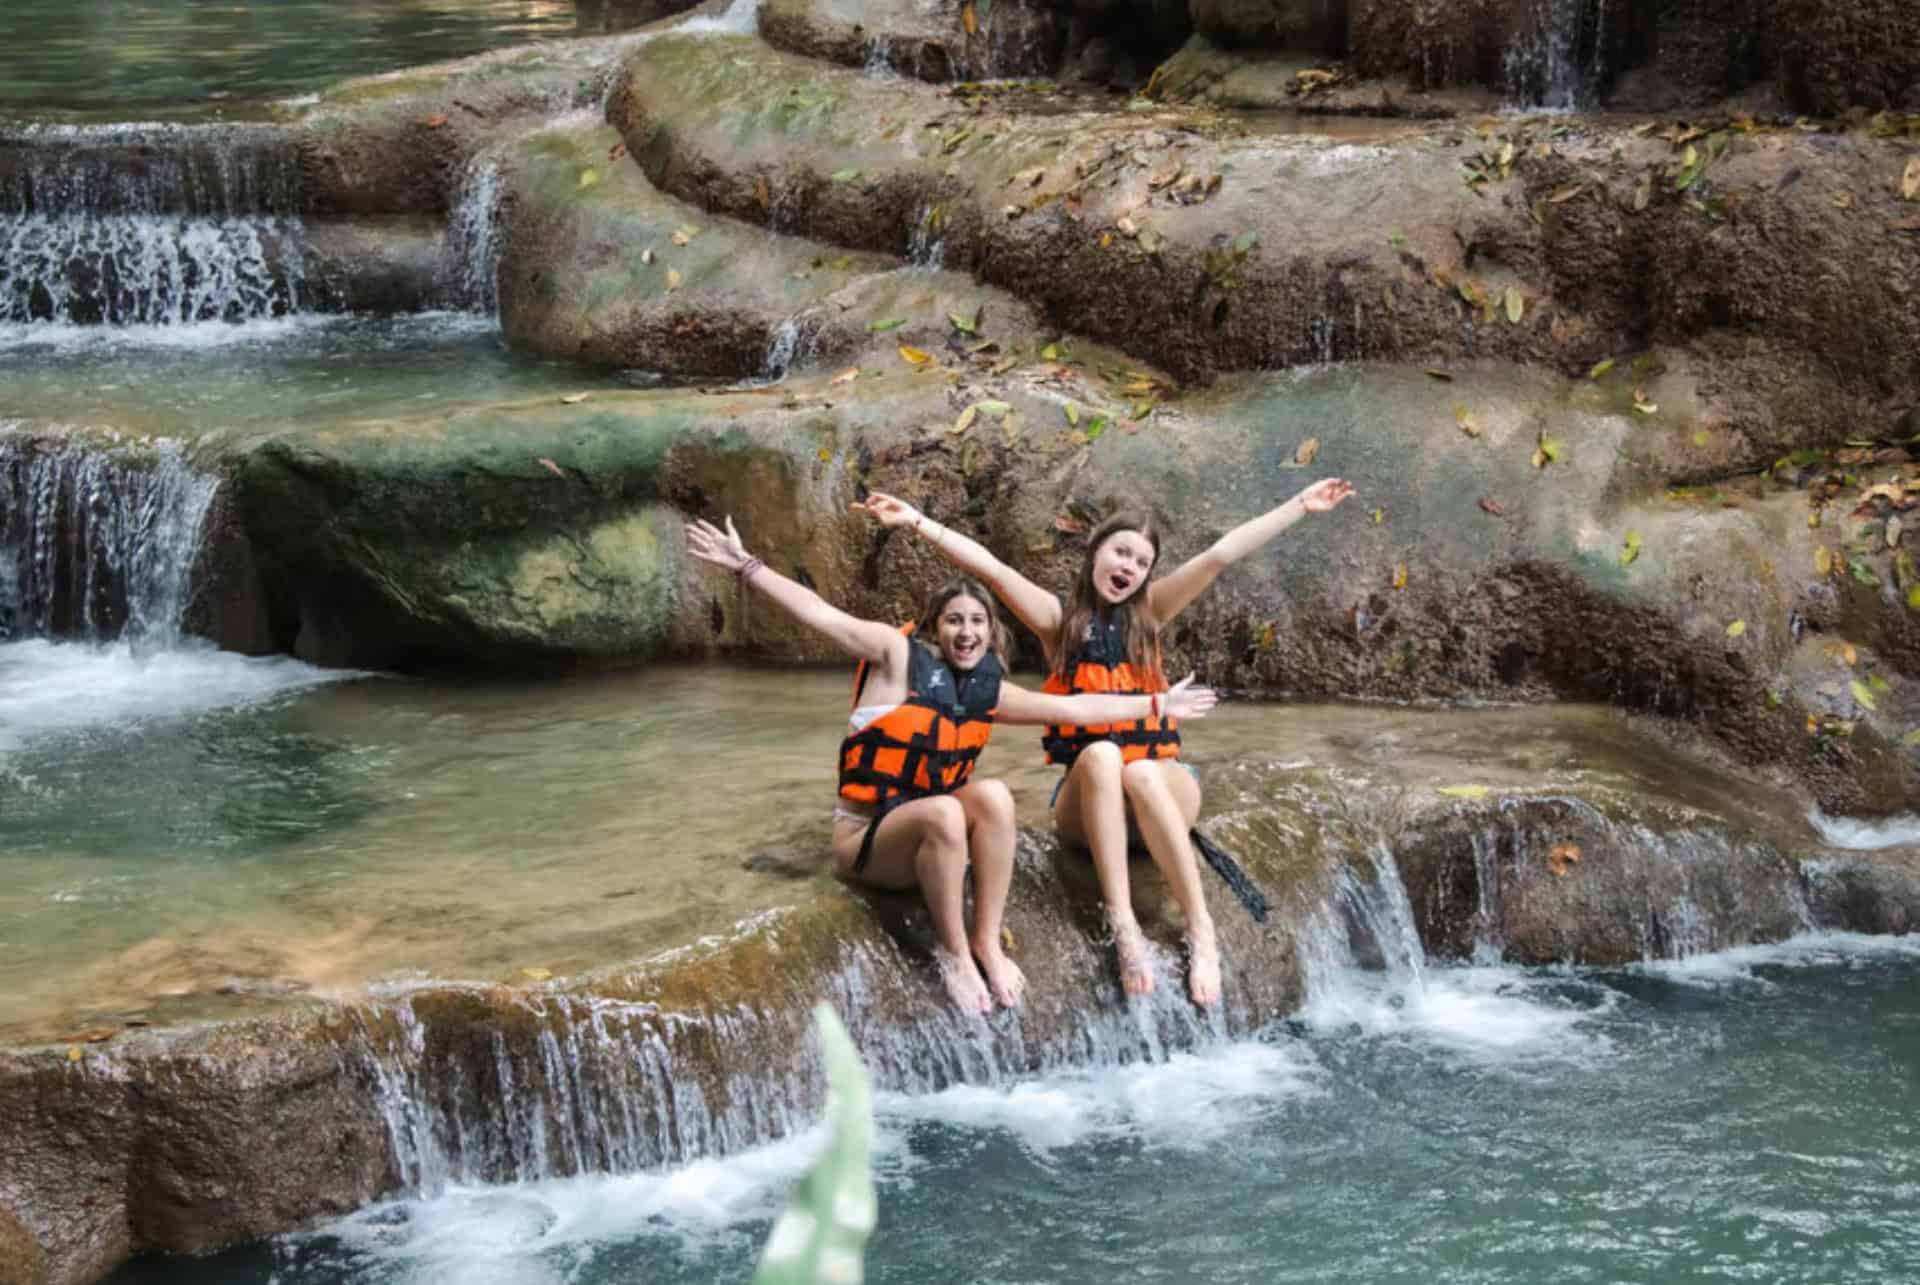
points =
(947, 823)
(1101, 759)
(1141, 777)
(993, 802)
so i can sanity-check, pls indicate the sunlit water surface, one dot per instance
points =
(1749, 1116)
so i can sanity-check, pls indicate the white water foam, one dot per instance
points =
(1190, 1099)
(741, 18)
(1738, 966)
(50, 688)
(66, 336)
(1858, 835)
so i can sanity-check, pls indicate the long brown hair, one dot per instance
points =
(928, 630)
(1139, 632)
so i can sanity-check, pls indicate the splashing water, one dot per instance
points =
(471, 260)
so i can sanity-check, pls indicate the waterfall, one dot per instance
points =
(1556, 59)
(926, 244)
(95, 543)
(149, 225)
(471, 265)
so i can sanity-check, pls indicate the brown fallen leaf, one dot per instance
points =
(92, 1035)
(1910, 181)
(574, 399)
(1308, 449)
(549, 465)
(436, 121)
(846, 376)
(1561, 857)
(615, 152)
(1067, 524)
(1441, 375)
(969, 18)
(914, 356)
(762, 194)
(1491, 505)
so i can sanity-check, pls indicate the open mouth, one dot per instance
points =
(964, 650)
(1120, 585)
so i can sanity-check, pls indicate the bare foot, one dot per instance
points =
(963, 981)
(1203, 968)
(1130, 945)
(1004, 977)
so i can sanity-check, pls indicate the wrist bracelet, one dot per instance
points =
(748, 567)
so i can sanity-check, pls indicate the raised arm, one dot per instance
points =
(860, 639)
(1168, 596)
(1183, 700)
(1037, 609)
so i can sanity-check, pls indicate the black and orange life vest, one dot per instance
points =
(928, 743)
(1100, 665)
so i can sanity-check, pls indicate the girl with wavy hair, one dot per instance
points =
(910, 812)
(1105, 638)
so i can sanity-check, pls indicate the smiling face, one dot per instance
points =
(964, 631)
(1121, 564)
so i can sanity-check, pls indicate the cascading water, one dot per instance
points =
(1557, 63)
(96, 544)
(149, 226)
(926, 244)
(471, 265)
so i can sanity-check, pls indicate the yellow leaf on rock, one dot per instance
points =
(1737, 628)
(1400, 576)
(589, 176)
(1823, 560)
(1910, 181)
(1468, 424)
(1464, 791)
(74, 1054)
(574, 399)
(1863, 694)
(969, 18)
(673, 279)
(1308, 449)
(914, 356)
(537, 974)
(965, 421)
(1516, 305)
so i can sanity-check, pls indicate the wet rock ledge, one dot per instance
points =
(1591, 839)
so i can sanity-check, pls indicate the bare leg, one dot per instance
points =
(1092, 811)
(990, 838)
(923, 844)
(1166, 800)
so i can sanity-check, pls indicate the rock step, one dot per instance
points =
(1213, 245)
(184, 1141)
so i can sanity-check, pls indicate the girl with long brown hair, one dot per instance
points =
(1106, 638)
(910, 812)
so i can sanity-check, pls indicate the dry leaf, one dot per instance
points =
(549, 466)
(1737, 628)
(1516, 306)
(574, 399)
(679, 237)
(1848, 654)
(436, 121)
(969, 18)
(74, 1054)
(1441, 375)
(846, 376)
(1561, 857)
(914, 356)
(1491, 505)
(1644, 404)
(1863, 694)
(1400, 576)
(1308, 449)
(537, 974)
(673, 279)
(1468, 424)
(1067, 524)
(1823, 560)
(1464, 791)
(615, 152)
(1910, 181)
(964, 422)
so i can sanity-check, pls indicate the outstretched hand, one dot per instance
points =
(887, 510)
(1184, 700)
(709, 543)
(1323, 495)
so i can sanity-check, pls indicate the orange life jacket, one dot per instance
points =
(928, 743)
(1100, 665)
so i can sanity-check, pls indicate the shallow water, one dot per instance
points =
(187, 380)
(1751, 1116)
(129, 56)
(185, 832)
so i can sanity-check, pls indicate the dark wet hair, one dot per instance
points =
(1139, 632)
(928, 630)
